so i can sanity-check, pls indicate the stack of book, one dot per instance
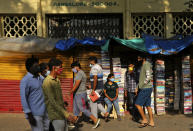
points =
(160, 87)
(186, 85)
(105, 62)
(117, 72)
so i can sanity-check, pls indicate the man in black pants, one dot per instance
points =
(131, 81)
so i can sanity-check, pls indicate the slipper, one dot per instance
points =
(142, 125)
(151, 126)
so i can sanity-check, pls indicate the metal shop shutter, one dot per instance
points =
(12, 70)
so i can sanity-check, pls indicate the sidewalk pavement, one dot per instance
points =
(17, 122)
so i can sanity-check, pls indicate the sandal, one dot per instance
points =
(153, 126)
(142, 125)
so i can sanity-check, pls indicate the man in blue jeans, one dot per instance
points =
(80, 96)
(32, 97)
(144, 95)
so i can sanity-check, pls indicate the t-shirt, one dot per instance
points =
(145, 78)
(111, 89)
(97, 70)
(82, 87)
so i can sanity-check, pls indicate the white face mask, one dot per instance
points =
(91, 65)
(47, 73)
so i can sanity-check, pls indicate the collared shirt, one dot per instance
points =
(98, 71)
(32, 97)
(54, 99)
(130, 82)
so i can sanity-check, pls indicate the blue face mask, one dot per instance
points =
(112, 79)
(74, 70)
(47, 73)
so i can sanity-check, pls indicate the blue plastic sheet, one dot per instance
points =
(64, 45)
(157, 45)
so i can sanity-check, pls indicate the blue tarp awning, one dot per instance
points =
(157, 45)
(64, 45)
(149, 44)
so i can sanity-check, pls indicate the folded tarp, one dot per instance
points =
(27, 44)
(64, 45)
(157, 45)
(136, 44)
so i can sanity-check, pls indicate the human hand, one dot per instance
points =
(89, 86)
(93, 92)
(125, 94)
(111, 99)
(72, 118)
(32, 120)
(72, 92)
(136, 91)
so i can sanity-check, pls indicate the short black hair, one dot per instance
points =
(30, 62)
(54, 62)
(76, 63)
(109, 76)
(93, 58)
(43, 66)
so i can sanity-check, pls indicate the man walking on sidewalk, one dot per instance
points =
(80, 96)
(54, 99)
(32, 97)
(96, 79)
(145, 90)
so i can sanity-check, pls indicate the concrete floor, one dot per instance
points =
(17, 122)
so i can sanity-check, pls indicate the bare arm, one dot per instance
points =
(117, 92)
(95, 82)
(107, 95)
(76, 85)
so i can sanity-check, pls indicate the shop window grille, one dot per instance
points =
(183, 24)
(149, 24)
(99, 26)
(16, 26)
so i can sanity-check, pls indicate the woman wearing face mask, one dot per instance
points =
(111, 91)
(44, 70)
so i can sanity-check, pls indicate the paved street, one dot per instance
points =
(17, 122)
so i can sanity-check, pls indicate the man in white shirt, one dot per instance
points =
(96, 80)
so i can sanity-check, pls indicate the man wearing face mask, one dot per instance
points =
(96, 80)
(131, 81)
(44, 70)
(54, 98)
(80, 96)
(32, 97)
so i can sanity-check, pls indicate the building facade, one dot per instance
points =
(95, 18)
(76, 18)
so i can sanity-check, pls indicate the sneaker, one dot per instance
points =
(97, 124)
(71, 126)
(119, 118)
